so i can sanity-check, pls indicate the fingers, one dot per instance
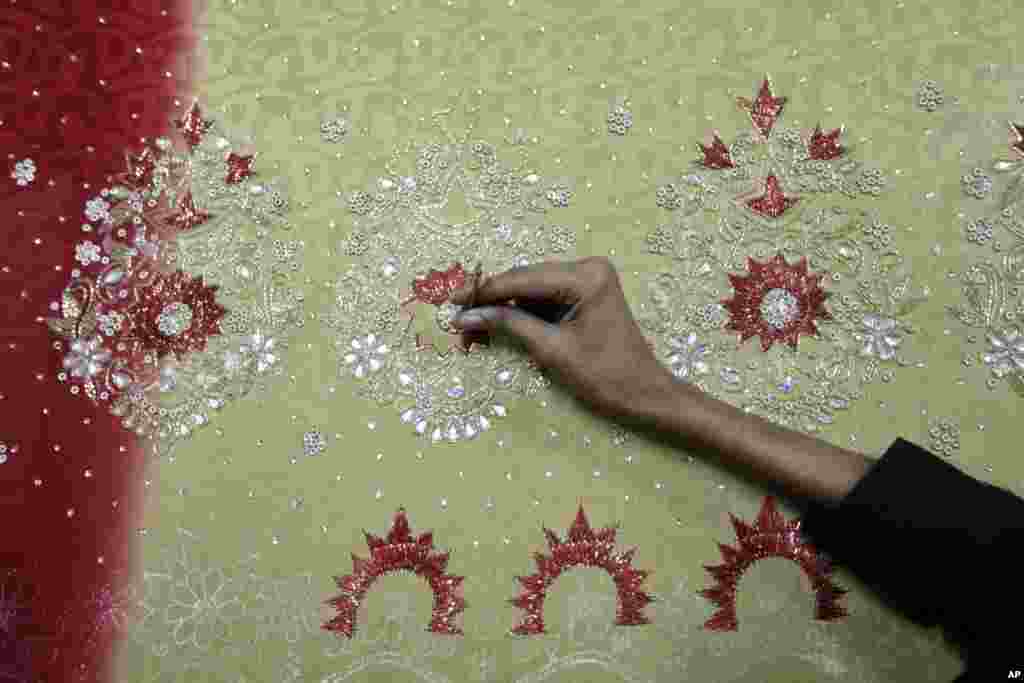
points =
(555, 282)
(539, 337)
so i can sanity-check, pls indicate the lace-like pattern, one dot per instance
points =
(391, 319)
(992, 304)
(726, 213)
(185, 297)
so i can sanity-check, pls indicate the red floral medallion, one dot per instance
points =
(765, 109)
(583, 547)
(175, 314)
(716, 155)
(399, 552)
(825, 146)
(776, 301)
(770, 536)
(773, 203)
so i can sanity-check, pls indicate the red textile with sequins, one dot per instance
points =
(80, 82)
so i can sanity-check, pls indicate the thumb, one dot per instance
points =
(539, 337)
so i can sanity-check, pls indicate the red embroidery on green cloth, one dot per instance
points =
(825, 146)
(175, 314)
(583, 547)
(192, 125)
(765, 109)
(716, 155)
(770, 536)
(774, 202)
(399, 551)
(776, 301)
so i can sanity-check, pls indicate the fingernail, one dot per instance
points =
(470, 320)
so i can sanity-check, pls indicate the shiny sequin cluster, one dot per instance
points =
(748, 256)
(391, 316)
(182, 301)
(399, 551)
(583, 547)
(991, 306)
(771, 535)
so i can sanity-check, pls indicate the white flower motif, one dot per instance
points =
(87, 357)
(263, 352)
(687, 357)
(881, 336)
(87, 252)
(200, 610)
(168, 378)
(1006, 354)
(97, 209)
(24, 172)
(367, 356)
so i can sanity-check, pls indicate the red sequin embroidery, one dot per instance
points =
(773, 203)
(825, 146)
(239, 167)
(399, 552)
(153, 321)
(788, 282)
(770, 536)
(716, 155)
(193, 126)
(765, 109)
(582, 548)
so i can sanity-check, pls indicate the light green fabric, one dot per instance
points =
(264, 536)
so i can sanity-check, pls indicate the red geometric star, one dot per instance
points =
(770, 536)
(765, 109)
(239, 167)
(175, 294)
(582, 548)
(399, 552)
(140, 168)
(773, 203)
(716, 155)
(802, 302)
(825, 146)
(192, 125)
(1017, 142)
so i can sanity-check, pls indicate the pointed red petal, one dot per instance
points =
(716, 155)
(770, 519)
(724, 620)
(825, 146)
(580, 530)
(399, 532)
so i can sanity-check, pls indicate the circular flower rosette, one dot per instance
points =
(391, 313)
(183, 297)
(992, 289)
(775, 298)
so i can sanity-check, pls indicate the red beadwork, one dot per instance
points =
(177, 287)
(188, 215)
(716, 155)
(239, 167)
(582, 548)
(437, 286)
(193, 126)
(745, 305)
(770, 536)
(773, 203)
(765, 109)
(399, 552)
(825, 146)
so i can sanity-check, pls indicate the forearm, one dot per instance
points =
(798, 464)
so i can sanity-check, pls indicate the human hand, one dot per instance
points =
(597, 350)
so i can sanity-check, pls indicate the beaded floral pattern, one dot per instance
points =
(183, 301)
(992, 305)
(765, 200)
(391, 315)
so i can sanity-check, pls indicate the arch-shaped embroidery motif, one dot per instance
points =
(770, 536)
(399, 551)
(583, 547)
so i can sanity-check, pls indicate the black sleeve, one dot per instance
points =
(940, 546)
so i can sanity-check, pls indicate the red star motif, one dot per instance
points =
(1017, 142)
(749, 292)
(180, 288)
(399, 552)
(825, 146)
(716, 155)
(188, 215)
(583, 547)
(193, 126)
(770, 536)
(140, 168)
(239, 167)
(765, 109)
(773, 203)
